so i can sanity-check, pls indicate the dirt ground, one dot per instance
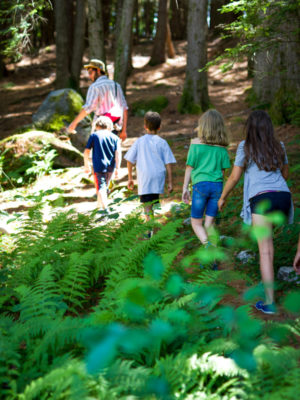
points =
(30, 81)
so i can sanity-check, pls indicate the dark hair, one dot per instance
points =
(152, 121)
(261, 146)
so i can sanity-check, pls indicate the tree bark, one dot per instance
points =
(95, 30)
(178, 19)
(62, 27)
(170, 48)
(78, 42)
(195, 93)
(123, 44)
(277, 73)
(217, 18)
(158, 55)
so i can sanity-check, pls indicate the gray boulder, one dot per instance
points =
(57, 111)
(287, 274)
(245, 256)
(18, 150)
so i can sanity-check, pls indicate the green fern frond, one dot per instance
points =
(42, 299)
(76, 279)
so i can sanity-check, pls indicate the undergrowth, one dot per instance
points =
(93, 311)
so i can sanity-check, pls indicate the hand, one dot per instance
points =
(116, 173)
(123, 135)
(87, 169)
(130, 184)
(296, 263)
(170, 187)
(72, 128)
(186, 197)
(221, 204)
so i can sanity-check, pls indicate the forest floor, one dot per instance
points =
(30, 81)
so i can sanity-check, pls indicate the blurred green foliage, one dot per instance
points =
(96, 311)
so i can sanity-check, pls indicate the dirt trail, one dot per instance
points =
(24, 90)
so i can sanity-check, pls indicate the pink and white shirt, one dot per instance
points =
(103, 95)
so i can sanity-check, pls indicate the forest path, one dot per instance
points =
(22, 93)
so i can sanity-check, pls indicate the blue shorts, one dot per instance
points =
(102, 179)
(274, 201)
(206, 196)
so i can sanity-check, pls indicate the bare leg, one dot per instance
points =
(210, 229)
(266, 256)
(199, 229)
(102, 198)
(148, 211)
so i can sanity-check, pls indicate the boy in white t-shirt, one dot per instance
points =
(152, 156)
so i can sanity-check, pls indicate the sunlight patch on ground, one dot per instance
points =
(139, 61)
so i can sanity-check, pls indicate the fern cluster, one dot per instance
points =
(93, 311)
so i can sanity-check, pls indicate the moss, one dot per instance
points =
(253, 101)
(158, 103)
(285, 107)
(58, 122)
(186, 104)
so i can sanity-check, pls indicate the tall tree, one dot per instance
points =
(95, 30)
(219, 19)
(78, 42)
(158, 55)
(268, 32)
(123, 44)
(195, 93)
(178, 18)
(63, 14)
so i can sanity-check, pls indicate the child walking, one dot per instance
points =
(206, 162)
(262, 159)
(152, 156)
(106, 157)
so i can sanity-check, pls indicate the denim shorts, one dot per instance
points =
(205, 198)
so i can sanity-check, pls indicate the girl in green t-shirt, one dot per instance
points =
(206, 162)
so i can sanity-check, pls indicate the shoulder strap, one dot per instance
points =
(116, 89)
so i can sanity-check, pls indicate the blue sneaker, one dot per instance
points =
(265, 308)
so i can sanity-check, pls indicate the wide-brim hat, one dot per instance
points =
(94, 63)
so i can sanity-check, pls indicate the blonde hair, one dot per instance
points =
(211, 128)
(104, 123)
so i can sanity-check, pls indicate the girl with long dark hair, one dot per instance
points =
(262, 158)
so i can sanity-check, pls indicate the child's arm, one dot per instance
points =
(117, 161)
(285, 171)
(130, 183)
(170, 178)
(186, 197)
(232, 181)
(86, 157)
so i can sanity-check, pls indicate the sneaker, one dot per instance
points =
(265, 308)
(214, 266)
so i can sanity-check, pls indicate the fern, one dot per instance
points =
(76, 279)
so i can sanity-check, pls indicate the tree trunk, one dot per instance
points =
(170, 47)
(277, 73)
(123, 44)
(78, 43)
(137, 22)
(63, 44)
(178, 19)
(119, 8)
(95, 30)
(158, 55)
(195, 93)
(147, 16)
(217, 18)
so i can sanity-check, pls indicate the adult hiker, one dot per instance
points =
(104, 97)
